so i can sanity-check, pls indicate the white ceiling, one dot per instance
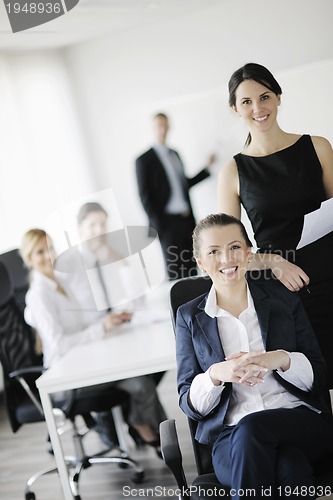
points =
(93, 18)
(288, 33)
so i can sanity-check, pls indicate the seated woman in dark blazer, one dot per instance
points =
(250, 371)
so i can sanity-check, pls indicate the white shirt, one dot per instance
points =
(244, 334)
(57, 318)
(120, 281)
(174, 170)
(71, 270)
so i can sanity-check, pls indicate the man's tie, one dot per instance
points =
(103, 286)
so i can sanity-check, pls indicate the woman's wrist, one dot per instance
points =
(212, 375)
(107, 324)
(285, 361)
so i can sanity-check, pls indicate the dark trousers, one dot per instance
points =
(318, 305)
(176, 242)
(270, 453)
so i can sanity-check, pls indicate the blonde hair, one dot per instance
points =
(29, 241)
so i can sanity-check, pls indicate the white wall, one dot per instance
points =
(43, 162)
(72, 122)
(182, 67)
(306, 105)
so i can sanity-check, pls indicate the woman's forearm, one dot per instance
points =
(260, 261)
(290, 275)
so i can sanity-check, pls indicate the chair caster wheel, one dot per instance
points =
(137, 477)
(30, 496)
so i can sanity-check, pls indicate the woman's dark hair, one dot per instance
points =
(87, 209)
(259, 74)
(214, 220)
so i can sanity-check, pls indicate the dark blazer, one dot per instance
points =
(154, 187)
(284, 325)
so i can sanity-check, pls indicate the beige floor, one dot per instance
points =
(24, 453)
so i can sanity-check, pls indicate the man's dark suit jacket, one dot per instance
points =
(154, 187)
(284, 325)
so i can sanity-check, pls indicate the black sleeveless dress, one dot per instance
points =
(277, 191)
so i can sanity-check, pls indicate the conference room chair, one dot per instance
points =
(19, 276)
(206, 485)
(21, 367)
(18, 273)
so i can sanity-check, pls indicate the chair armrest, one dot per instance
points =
(26, 371)
(65, 406)
(19, 376)
(171, 452)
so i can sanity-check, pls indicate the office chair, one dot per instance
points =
(206, 482)
(19, 275)
(21, 368)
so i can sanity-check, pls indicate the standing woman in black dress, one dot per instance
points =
(279, 177)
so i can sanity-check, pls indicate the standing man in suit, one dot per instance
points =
(164, 192)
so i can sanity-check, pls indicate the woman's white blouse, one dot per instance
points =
(57, 318)
(243, 335)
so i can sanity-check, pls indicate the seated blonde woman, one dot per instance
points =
(55, 314)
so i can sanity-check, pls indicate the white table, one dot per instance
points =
(146, 345)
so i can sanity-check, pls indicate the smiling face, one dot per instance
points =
(224, 254)
(42, 257)
(257, 105)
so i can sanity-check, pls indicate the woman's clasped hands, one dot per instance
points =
(248, 368)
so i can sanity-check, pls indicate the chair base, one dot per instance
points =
(29, 495)
(122, 460)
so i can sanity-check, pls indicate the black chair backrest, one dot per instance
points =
(16, 346)
(6, 288)
(181, 292)
(18, 274)
(187, 289)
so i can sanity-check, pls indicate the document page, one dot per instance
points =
(317, 224)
